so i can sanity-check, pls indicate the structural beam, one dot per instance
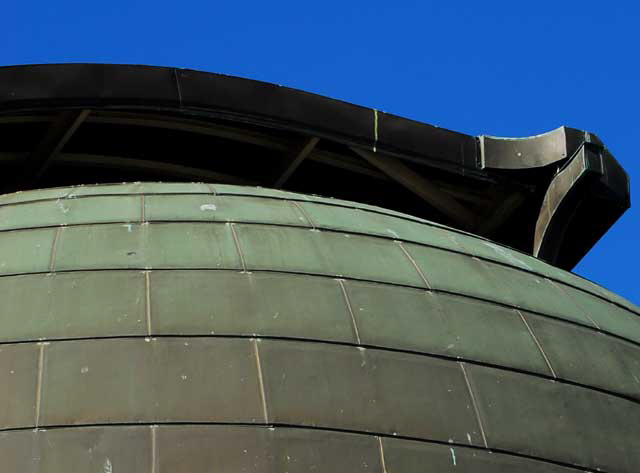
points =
(295, 160)
(59, 133)
(233, 133)
(191, 126)
(500, 214)
(420, 186)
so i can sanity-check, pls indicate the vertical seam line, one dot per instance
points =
(212, 189)
(350, 310)
(143, 217)
(474, 404)
(41, 347)
(415, 265)
(147, 295)
(54, 249)
(537, 342)
(154, 444)
(383, 463)
(304, 214)
(263, 396)
(237, 243)
(574, 303)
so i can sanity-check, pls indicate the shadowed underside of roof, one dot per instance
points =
(552, 195)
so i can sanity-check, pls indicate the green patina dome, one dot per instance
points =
(152, 327)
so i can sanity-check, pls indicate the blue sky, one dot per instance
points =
(498, 68)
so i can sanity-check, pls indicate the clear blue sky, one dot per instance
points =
(500, 68)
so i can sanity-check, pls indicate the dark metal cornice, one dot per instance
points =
(85, 121)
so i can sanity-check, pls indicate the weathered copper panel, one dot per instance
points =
(458, 273)
(162, 245)
(221, 209)
(352, 220)
(26, 251)
(547, 419)
(72, 305)
(328, 253)
(267, 324)
(606, 315)
(146, 380)
(589, 357)
(417, 457)
(19, 366)
(442, 324)
(99, 449)
(262, 450)
(367, 390)
(235, 303)
(19, 451)
(70, 211)
(206, 448)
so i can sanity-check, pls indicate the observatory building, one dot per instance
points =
(201, 273)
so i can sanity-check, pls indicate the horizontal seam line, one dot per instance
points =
(54, 427)
(250, 337)
(408, 219)
(329, 276)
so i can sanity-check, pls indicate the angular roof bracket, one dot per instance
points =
(588, 194)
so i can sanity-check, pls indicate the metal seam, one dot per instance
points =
(143, 210)
(383, 463)
(281, 425)
(154, 446)
(54, 249)
(350, 310)
(147, 290)
(41, 347)
(413, 262)
(349, 278)
(238, 248)
(574, 303)
(438, 356)
(304, 214)
(428, 224)
(537, 342)
(263, 396)
(475, 404)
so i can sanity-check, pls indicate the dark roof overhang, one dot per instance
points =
(552, 195)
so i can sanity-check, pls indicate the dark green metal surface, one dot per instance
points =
(197, 328)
